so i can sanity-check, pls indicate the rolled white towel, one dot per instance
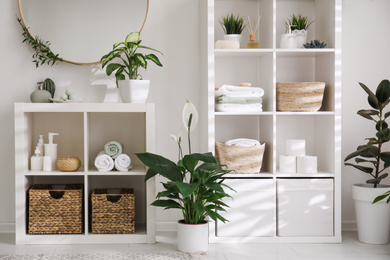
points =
(243, 142)
(104, 162)
(123, 163)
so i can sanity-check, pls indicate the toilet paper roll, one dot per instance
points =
(295, 147)
(307, 164)
(287, 164)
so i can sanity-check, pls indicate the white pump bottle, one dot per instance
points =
(51, 150)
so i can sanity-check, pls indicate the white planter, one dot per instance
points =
(192, 237)
(373, 220)
(134, 91)
(233, 37)
(301, 37)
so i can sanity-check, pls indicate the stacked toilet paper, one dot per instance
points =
(296, 160)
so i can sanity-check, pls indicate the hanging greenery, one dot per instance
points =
(43, 54)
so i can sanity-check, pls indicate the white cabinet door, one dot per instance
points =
(251, 212)
(305, 207)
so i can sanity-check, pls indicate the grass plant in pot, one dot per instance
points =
(300, 24)
(373, 219)
(193, 185)
(125, 60)
(232, 26)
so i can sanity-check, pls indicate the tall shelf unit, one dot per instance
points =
(83, 130)
(259, 204)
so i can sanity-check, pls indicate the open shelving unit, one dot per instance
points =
(264, 67)
(83, 130)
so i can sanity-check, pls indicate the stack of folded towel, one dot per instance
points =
(238, 99)
(112, 157)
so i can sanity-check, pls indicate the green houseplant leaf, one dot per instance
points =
(195, 182)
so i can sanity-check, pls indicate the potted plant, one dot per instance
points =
(373, 220)
(232, 26)
(194, 185)
(300, 24)
(134, 90)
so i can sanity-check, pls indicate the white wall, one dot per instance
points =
(172, 27)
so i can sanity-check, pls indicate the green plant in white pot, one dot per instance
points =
(373, 220)
(299, 25)
(125, 61)
(232, 25)
(194, 185)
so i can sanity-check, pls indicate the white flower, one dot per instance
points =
(189, 109)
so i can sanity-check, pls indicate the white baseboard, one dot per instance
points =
(169, 226)
(7, 227)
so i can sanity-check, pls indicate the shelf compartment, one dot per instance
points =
(251, 8)
(318, 133)
(309, 69)
(251, 69)
(322, 12)
(129, 129)
(256, 127)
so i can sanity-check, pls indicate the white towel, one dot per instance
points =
(123, 163)
(236, 91)
(243, 142)
(104, 162)
(239, 108)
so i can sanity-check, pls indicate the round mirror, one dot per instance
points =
(82, 32)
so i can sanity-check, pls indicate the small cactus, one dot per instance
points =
(315, 44)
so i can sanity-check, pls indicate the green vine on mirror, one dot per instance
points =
(43, 54)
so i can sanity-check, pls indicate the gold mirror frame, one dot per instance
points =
(69, 61)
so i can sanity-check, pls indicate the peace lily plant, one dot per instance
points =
(194, 184)
(129, 60)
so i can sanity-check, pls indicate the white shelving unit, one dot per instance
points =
(264, 67)
(83, 130)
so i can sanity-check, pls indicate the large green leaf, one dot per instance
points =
(163, 166)
(150, 173)
(133, 37)
(361, 168)
(385, 156)
(372, 100)
(368, 113)
(383, 91)
(145, 47)
(153, 58)
(214, 186)
(167, 204)
(364, 151)
(360, 160)
(186, 189)
(112, 67)
(384, 135)
(205, 157)
(140, 60)
(190, 162)
(383, 196)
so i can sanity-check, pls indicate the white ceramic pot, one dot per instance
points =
(192, 237)
(373, 220)
(134, 91)
(301, 37)
(233, 37)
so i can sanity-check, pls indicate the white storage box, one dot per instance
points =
(305, 207)
(252, 212)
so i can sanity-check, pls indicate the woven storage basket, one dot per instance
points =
(68, 164)
(113, 212)
(240, 159)
(299, 96)
(55, 210)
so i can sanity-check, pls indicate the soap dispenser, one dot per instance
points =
(288, 40)
(51, 150)
(37, 160)
(40, 95)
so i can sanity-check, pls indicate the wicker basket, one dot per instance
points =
(113, 212)
(55, 209)
(240, 159)
(299, 96)
(68, 164)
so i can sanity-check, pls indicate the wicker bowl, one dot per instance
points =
(299, 96)
(68, 164)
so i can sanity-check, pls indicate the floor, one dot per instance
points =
(166, 242)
